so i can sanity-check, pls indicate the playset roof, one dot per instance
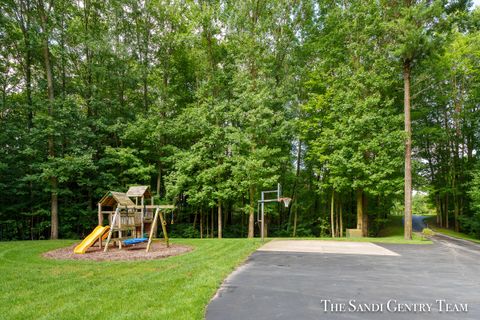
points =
(111, 198)
(139, 191)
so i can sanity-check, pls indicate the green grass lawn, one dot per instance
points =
(178, 287)
(431, 221)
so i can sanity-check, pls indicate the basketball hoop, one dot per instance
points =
(285, 200)
(263, 200)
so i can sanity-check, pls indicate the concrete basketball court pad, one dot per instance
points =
(325, 246)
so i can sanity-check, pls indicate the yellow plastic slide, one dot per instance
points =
(91, 239)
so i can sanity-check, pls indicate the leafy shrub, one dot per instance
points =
(428, 232)
(182, 230)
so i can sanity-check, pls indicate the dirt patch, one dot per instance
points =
(158, 250)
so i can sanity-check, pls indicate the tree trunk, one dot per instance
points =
(207, 225)
(442, 206)
(460, 213)
(456, 210)
(360, 209)
(337, 222)
(437, 209)
(408, 152)
(446, 211)
(195, 220)
(454, 191)
(212, 233)
(242, 220)
(51, 102)
(295, 216)
(28, 84)
(294, 191)
(265, 230)
(251, 213)
(457, 162)
(201, 224)
(341, 220)
(332, 213)
(365, 216)
(54, 208)
(219, 214)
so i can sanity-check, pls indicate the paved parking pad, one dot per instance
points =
(317, 246)
(322, 280)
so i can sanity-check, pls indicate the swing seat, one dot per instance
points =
(134, 241)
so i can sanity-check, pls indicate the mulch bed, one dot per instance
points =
(158, 250)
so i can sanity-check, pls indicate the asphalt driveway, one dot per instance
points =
(438, 281)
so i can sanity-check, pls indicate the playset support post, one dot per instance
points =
(158, 216)
(100, 222)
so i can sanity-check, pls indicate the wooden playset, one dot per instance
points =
(130, 219)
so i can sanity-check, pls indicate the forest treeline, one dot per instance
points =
(211, 102)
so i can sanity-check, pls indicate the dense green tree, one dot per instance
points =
(352, 125)
(417, 30)
(447, 122)
(211, 102)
